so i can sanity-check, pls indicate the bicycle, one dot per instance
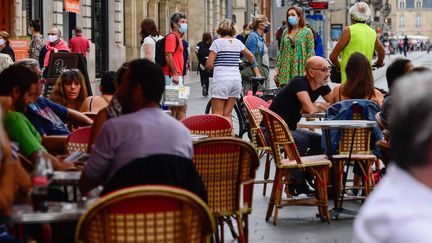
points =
(239, 116)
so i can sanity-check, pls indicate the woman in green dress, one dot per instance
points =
(297, 45)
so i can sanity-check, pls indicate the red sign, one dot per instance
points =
(72, 6)
(318, 5)
(21, 48)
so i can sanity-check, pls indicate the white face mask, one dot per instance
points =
(52, 38)
(2, 42)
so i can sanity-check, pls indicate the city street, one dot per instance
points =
(296, 223)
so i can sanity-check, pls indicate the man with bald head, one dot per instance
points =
(54, 44)
(298, 97)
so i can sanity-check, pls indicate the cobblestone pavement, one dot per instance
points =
(296, 223)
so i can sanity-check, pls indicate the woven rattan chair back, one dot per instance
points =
(78, 140)
(224, 164)
(209, 124)
(255, 117)
(280, 137)
(147, 214)
(362, 137)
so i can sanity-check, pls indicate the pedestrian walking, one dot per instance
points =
(36, 42)
(244, 35)
(202, 51)
(224, 55)
(149, 37)
(296, 47)
(174, 58)
(405, 46)
(358, 37)
(79, 44)
(4, 45)
(256, 45)
(279, 32)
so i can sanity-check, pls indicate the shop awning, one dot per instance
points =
(72, 6)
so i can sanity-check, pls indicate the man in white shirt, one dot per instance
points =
(400, 210)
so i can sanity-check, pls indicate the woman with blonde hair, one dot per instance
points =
(256, 45)
(4, 45)
(297, 45)
(224, 59)
(70, 89)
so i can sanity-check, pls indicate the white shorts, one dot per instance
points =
(226, 88)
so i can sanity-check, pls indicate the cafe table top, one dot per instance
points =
(57, 212)
(65, 178)
(336, 124)
(314, 115)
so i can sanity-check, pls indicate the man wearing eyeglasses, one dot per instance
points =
(298, 97)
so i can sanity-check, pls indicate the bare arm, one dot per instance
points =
(251, 59)
(58, 165)
(54, 142)
(170, 62)
(7, 189)
(210, 60)
(307, 105)
(78, 118)
(380, 51)
(148, 51)
(345, 38)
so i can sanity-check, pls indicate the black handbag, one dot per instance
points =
(335, 74)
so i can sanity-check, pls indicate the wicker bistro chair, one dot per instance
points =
(209, 124)
(78, 140)
(281, 140)
(147, 214)
(227, 167)
(361, 154)
(253, 104)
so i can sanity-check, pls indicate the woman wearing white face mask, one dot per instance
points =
(297, 45)
(36, 43)
(4, 45)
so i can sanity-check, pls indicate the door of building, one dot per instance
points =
(6, 10)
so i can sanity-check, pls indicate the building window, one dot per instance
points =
(418, 4)
(418, 21)
(401, 4)
(401, 21)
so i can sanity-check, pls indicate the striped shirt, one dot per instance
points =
(227, 57)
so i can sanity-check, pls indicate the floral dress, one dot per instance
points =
(35, 47)
(291, 60)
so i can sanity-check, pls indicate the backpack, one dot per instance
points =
(160, 50)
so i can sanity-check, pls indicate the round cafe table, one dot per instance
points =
(326, 126)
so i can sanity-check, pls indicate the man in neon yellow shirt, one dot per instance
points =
(358, 37)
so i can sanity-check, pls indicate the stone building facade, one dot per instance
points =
(411, 17)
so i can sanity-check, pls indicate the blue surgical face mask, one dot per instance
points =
(267, 28)
(183, 28)
(292, 20)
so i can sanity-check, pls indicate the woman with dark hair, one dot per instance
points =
(69, 90)
(37, 42)
(150, 36)
(360, 82)
(4, 45)
(107, 88)
(297, 45)
(202, 51)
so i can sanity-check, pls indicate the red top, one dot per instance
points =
(170, 45)
(79, 44)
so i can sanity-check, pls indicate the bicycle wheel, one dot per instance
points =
(236, 119)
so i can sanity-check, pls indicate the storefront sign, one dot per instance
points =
(318, 5)
(72, 6)
(21, 48)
